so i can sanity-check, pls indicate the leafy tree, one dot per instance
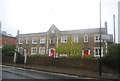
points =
(72, 49)
(113, 56)
(8, 50)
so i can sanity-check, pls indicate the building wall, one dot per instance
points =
(8, 40)
(90, 44)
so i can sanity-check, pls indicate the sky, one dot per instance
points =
(33, 16)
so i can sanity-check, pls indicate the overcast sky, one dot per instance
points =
(33, 16)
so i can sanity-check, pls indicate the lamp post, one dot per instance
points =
(100, 63)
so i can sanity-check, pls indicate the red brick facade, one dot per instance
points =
(7, 40)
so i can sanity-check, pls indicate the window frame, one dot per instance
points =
(75, 38)
(32, 50)
(5, 42)
(33, 40)
(98, 48)
(52, 38)
(19, 40)
(20, 51)
(27, 39)
(63, 38)
(43, 51)
(42, 40)
(85, 37)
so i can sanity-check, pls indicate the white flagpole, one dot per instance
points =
(25, 55)
(14, 57)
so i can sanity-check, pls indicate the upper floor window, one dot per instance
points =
(20, 40)
(64, 39)
(86, 38)
(96, 38)
(97, 51)
(52, 40)
(75, 39)
(42, 50)
(5, 41)
(42, 40)
(34, 40)
(34, 50)
(27, 40)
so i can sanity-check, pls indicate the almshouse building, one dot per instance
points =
(45, 43)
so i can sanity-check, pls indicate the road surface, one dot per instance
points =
(9, 72)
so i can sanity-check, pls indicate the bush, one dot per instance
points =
(8, 50)
(113, 56)
(38, 55)
(19, 58)
(90, 57)
(77, 55)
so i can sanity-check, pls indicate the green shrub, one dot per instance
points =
(38, 55)
(19, 58)
(90, 57)
(113, 56)
(75, 55)
(8, 50)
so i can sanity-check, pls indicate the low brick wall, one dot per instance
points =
(64, 62)
(78, 63)
(7, 59)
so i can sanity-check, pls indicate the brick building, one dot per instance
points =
(44, 43)
(5, 39)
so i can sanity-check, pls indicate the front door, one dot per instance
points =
(85, 52)
(52, 53)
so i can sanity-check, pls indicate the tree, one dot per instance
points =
(72, 49)
(8, 50)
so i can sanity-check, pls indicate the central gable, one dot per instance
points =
(53, 29)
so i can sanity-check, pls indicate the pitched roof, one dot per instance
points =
(53, 27)
(82, 31)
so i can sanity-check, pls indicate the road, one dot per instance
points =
(9, 72)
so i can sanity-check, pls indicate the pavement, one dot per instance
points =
(69, 71)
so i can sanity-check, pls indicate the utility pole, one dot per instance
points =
(100, 63)
(114, 27)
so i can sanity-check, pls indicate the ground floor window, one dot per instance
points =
(20, 50)
(34, 50)
(42, 50)
(97, 51)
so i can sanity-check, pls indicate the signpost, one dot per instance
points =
(105, 37)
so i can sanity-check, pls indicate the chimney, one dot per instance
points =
(18, 32)
(106, 27)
